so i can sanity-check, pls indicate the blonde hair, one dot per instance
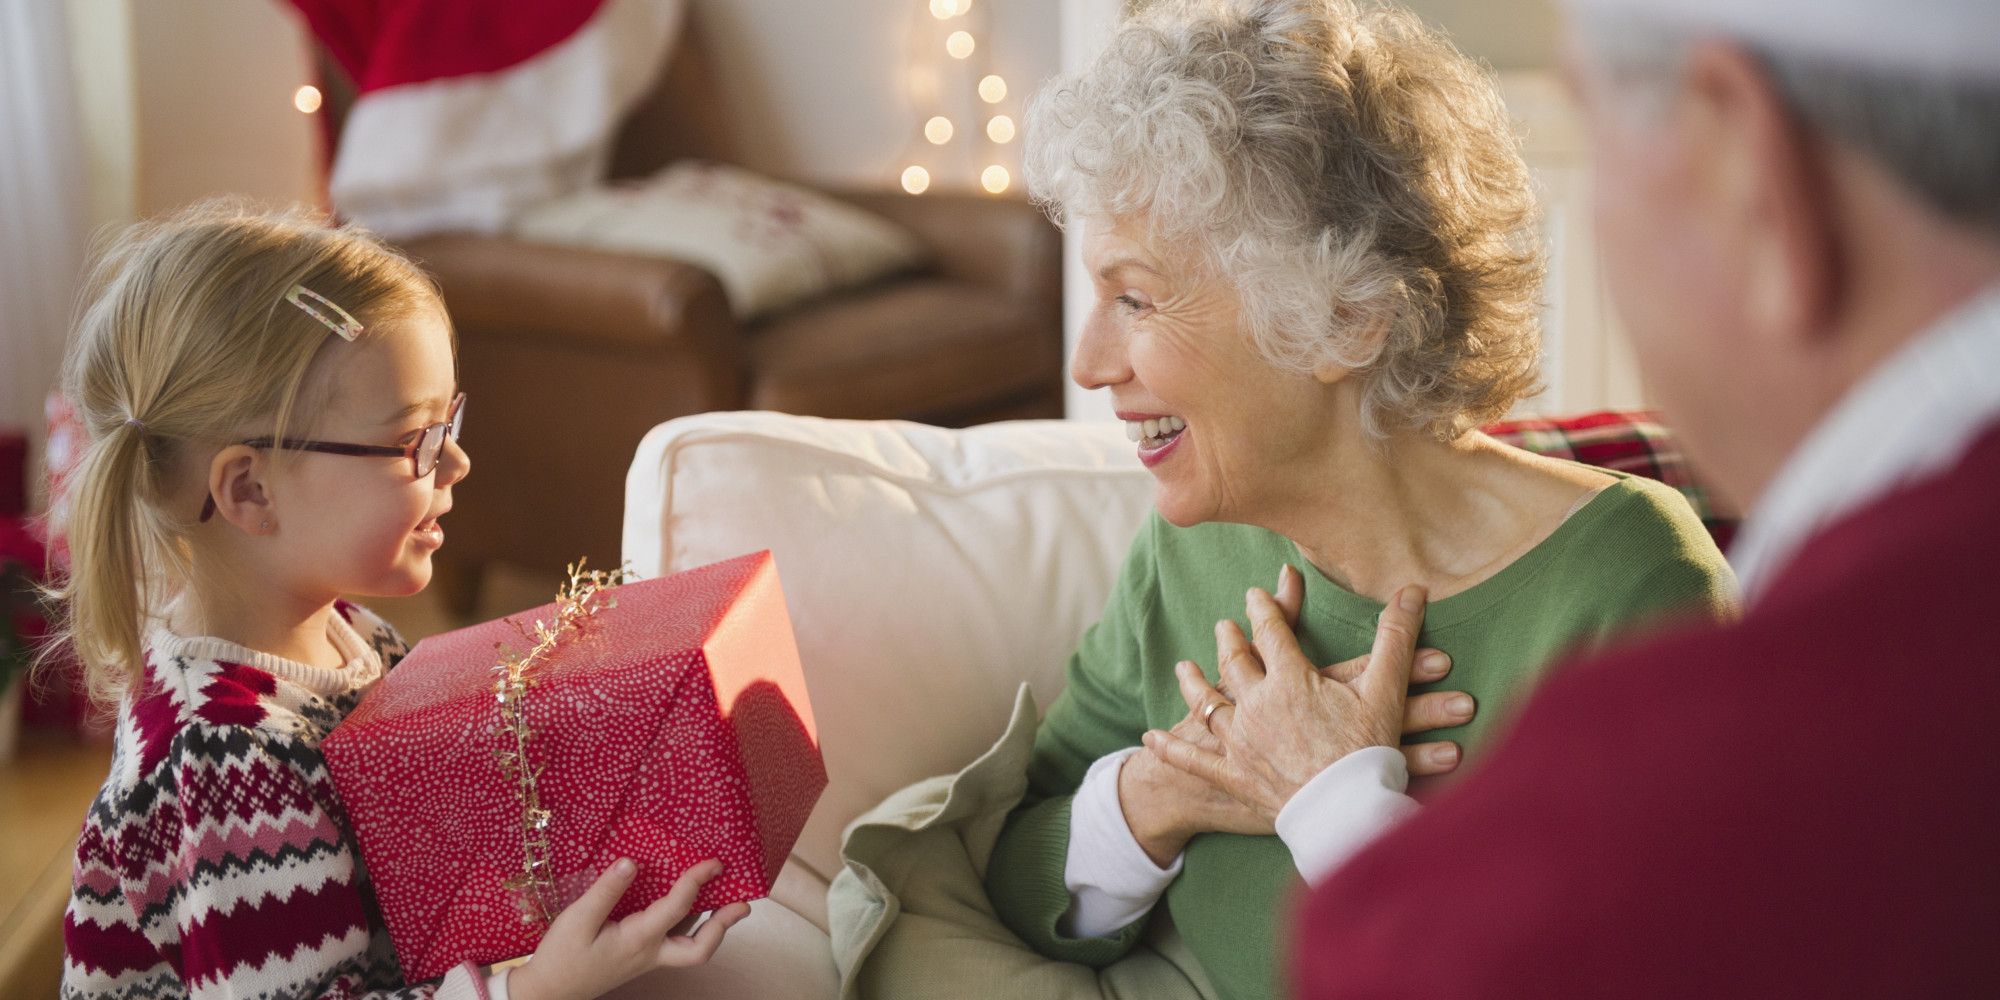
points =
(1343, 166)
(186, 340)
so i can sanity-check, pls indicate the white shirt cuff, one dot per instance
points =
(1343, 809)
(1111, 880)
(467, 982)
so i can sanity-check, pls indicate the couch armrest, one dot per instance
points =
(509, 288)
(1004, 243)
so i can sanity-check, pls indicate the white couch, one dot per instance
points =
(929, 573)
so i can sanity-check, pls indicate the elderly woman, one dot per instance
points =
(1310, 236)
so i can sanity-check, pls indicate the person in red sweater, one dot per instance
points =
(1799, 204)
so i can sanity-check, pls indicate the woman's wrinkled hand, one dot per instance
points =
(1279, 720)
(585, 954)
(1165, 806)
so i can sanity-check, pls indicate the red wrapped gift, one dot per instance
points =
(669, 726)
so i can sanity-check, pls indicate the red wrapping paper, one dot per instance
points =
(669, 729)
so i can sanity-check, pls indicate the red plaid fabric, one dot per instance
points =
(1630, 441)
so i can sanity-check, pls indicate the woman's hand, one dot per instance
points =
(585, 955)
(1284, 720)
(1166, 806)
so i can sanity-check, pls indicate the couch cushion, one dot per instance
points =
(915, 348)
(929, 572)
(771, 244)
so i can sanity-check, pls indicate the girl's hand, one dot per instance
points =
(585, 955)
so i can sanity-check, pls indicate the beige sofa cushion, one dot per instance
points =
(928, 572)
(771, 244)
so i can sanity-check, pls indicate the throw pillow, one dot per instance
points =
(771, 244)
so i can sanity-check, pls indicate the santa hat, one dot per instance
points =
(470, 110)
(1939, 39)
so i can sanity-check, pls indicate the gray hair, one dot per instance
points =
(1938, 136)
(1346, 169)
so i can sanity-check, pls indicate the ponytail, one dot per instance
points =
(111, 537)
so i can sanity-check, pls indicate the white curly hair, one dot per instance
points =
(1345, 168)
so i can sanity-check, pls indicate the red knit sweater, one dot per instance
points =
(215, 861)
(1805, 803)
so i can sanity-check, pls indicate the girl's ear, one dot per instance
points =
(236, 484)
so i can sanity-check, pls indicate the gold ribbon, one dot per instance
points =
(579, 598)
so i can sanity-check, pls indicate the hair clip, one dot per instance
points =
(346, 326)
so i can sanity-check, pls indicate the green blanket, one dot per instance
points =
(909, 912)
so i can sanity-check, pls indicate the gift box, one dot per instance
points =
(669, 724)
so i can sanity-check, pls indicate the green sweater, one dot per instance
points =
(1634, 552)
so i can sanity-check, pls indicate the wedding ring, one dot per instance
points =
(1212, 707)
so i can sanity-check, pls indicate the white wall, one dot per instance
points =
(822, 89)
(210, 112)
(1508, 34)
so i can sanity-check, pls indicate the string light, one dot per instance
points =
(931, 79)
(306, 99)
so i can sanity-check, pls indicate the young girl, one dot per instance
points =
(208, 568)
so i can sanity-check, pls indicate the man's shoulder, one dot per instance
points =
(1905, 587)
(1847, 683)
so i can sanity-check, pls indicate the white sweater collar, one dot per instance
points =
(361, 665)
(1911, 418)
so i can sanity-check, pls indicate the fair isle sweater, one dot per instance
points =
(216, 861)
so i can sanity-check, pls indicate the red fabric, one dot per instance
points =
(1805, 803)
(1629, 441)
(384, 43)
(13, 473)
(276, 927)
(672, 728)
(63, 452)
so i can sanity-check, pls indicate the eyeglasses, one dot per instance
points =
(423, 453)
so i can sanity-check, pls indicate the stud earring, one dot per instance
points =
(267, 524)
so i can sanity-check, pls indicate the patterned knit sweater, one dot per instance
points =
(215, 861)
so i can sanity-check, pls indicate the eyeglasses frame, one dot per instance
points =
(453, 422)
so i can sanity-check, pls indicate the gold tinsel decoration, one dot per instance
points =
(578, 598)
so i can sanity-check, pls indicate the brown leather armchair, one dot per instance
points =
(569, 356)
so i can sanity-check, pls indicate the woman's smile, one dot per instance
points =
(1156, 435)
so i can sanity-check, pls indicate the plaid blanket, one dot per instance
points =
(1630, 441)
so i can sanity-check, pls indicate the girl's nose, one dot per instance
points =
(454, 464)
